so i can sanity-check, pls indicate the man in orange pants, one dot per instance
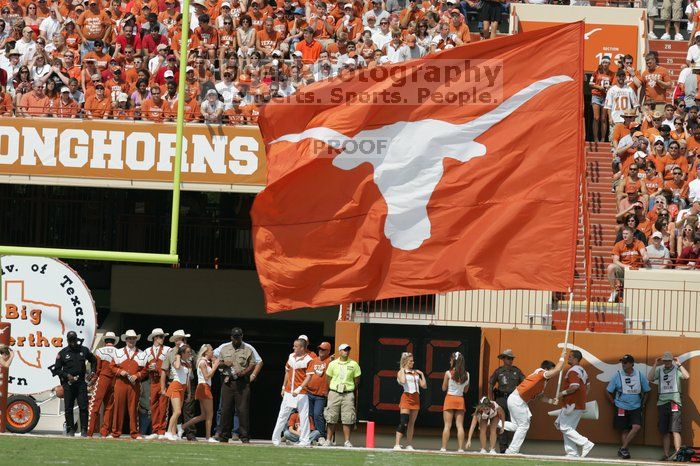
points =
(103, 389)
(155, 355)
(130, 369)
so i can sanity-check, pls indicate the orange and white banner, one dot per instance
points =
(612, 32)
(133, 154)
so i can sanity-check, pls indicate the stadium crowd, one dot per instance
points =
(99, 59)
(653, 127)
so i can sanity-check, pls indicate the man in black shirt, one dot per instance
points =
(70, 369)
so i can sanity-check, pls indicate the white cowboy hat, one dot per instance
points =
(156, 333)
(131, 334)
(112, 336)
(178, 334)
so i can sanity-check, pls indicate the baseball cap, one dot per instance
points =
(161, 47)
(99, 86)
(64, 89)
(657, 234)
(627, 358)
(325, 345)
(235, 331)
(303, 337)
(169, 74)
(299, 11)
(225, 4)
(297, 53)
(343, 347)
(410, 39)
(667, 355)
(171, 57)
(276, 53)
(122, 97)
(697, 34)
(188, 69)
(658, 139)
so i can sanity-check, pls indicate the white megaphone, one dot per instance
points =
(591, 411)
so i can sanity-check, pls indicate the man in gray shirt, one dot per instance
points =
(659, 255)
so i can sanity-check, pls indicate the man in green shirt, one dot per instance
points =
(343, 376)
(669, 376)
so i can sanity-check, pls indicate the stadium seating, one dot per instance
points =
(55, 57)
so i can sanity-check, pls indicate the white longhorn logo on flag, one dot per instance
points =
(408, 168)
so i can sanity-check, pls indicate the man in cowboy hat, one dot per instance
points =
(155, 355)
(257, 360)
(507, 377)
(102, 392)
(71, 370)
(236, 361)
(179, 338)
(130, 370)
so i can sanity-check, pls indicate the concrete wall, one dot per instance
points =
(533, 346)
(663, 302)
(198, 292)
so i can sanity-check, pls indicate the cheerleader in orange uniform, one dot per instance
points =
(412, 381)
(206, 368)
(178, 389)
(455, 383)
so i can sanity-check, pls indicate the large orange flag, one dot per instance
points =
(455, 171)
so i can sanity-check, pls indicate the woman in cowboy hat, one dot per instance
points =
(155, 355)
(103, 387)
(130, 370)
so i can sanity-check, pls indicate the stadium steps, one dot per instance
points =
(672, 55)
(601, 208)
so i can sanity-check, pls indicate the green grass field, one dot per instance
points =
(18, 450)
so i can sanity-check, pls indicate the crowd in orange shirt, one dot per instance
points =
(102, 59)
(655, 142)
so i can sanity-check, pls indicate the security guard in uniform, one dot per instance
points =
(236, 364)
(507, 377)
(70, 369)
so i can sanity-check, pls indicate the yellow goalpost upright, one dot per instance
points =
(171, 257)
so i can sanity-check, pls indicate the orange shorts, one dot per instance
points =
(175, 390)
(453, 402)
(410, 401)
(203, 392)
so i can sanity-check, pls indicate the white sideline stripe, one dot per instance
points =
(383, 450)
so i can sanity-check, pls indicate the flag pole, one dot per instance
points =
(566, 341)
